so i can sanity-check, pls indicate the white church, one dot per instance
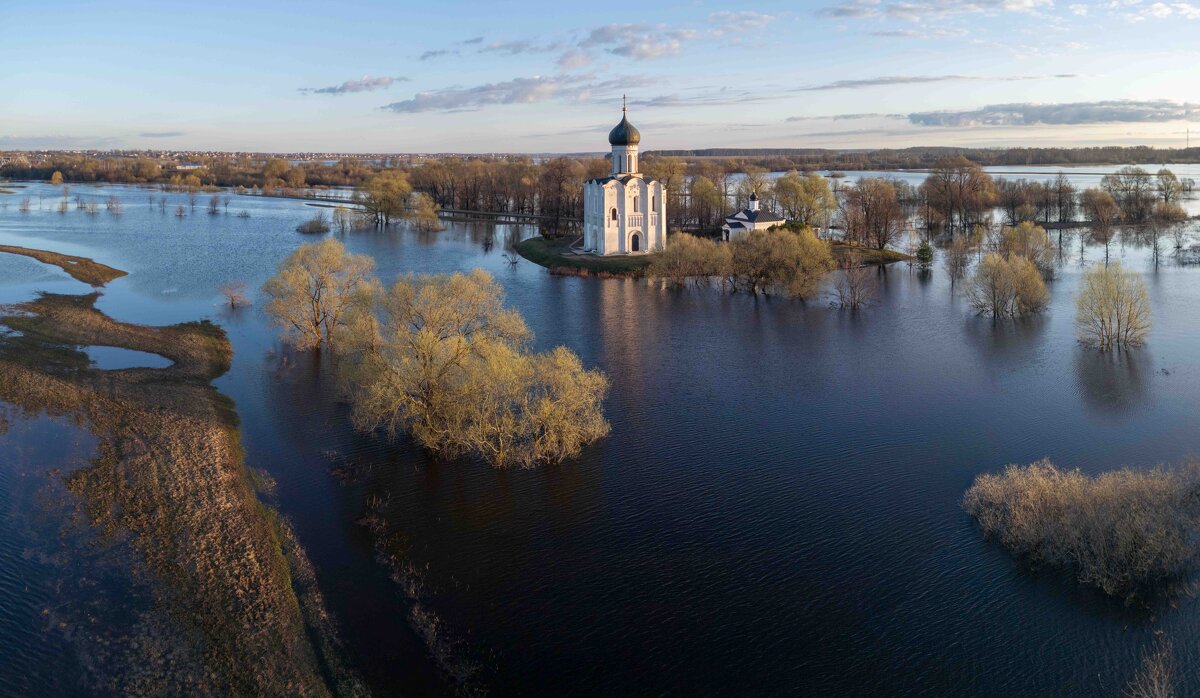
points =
(624, 213)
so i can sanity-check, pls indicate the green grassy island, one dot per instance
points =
(556, 255)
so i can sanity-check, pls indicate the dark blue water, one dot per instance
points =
(775, 512)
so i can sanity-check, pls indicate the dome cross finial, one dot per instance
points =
(624, 107)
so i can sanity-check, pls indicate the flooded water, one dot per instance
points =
(775, 512)
(116, 358)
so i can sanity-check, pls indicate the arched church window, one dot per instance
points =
(635, 207)
(614, 214)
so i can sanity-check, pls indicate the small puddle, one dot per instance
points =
(113, 358)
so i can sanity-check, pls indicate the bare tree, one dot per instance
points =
(855, 288)
(871, 213)
(1156, 677)
(957, 257)
(235, 294)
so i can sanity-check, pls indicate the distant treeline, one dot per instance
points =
(784, 159)
(702, 187)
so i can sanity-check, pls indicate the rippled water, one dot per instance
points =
(775, 512)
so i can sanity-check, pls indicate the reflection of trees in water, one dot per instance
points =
(1007, 340)
(1112, 382)
(168, 477)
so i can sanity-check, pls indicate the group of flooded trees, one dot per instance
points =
(1112, 307)
(777, 261)
(439, 358)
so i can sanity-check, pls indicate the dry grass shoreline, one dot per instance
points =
(237, 610)
(80, 268)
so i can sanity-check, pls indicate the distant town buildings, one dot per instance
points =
(748, 219)
(624, 213)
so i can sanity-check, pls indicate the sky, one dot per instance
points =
(541, 77)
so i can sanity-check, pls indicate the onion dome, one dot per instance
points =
(624, 133)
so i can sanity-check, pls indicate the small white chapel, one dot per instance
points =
(748, 219)
(624, 213)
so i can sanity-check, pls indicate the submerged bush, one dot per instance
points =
(319, 223)
(691, 257)
(1126, 532)
(1009, 286)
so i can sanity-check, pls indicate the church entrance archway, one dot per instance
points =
(635, 243)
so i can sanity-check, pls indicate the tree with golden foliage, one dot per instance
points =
(319, 292)
(56, 178)
(450, 366)
(385, 196)
(1007, 287)
(1112, 308)
(806, 199)
(424, 213)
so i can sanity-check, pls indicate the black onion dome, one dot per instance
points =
(624, 133)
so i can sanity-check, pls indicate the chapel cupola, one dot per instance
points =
(624, 139)
(753, 201)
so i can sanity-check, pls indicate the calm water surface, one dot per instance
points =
(775, 512)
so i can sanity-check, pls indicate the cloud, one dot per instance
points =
(889, 80)
(740, 21)
(846, 117)
(59, 142)
(920, 11)
(722, 96)
(924, 33)
(1164, 10)
(513, 48)
(364, 84)
(515, 91)
(851, 9)
(638, 41)
(573, 59)
(436, 53)
(160, 134)
(476, 40)
(1069, 113)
